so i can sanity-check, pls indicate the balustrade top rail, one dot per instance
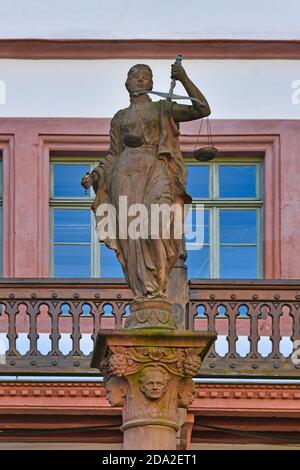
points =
(48, 326)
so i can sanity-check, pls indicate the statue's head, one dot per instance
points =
(139, 78)
(154, 382)
(186, 393)
(115, 391)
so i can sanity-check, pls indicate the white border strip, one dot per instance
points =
(23, 378)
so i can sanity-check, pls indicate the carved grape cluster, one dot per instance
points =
(191, 365)
(118, 364)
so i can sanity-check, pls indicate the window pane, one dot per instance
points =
(72, 261)
(238, 226)
(72, 225)
(197, 226)
(198, 181)
(237, 180)
(67, 180)
(198, 262)
(238, 262)
(109, 264)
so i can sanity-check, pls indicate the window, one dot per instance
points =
(229, 189)
(75, 250)
(231, 192)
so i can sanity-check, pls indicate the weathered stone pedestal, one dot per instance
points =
(148, 371)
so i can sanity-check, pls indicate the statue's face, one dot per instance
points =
(154, 385)
(114, 395)
(186, 395)
(139, 80)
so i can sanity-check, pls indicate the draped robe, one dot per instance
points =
(153, 173)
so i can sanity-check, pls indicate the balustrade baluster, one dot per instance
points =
(96, 312)
(275, 313)
(75, 311)
(12, 308)
(211, 310)
(295, 313)
(232, 337)
(119, 310)
(33, 309)
(54, 311)
(192, 312)
(254, 311)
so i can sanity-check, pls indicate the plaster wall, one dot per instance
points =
(235, 89)
(260, 19)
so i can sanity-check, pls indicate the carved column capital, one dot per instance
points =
(122, 361)
(150, 375)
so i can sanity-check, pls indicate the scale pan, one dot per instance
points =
(205, 154)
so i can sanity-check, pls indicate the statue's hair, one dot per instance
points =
(120, 381)
(186, 383)
(136, 67)
(148, 369)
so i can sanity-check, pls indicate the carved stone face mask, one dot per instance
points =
(154, 384)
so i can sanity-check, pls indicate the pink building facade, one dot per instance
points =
(251, 385)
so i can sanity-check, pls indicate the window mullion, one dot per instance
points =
(215, 181)
(70, 203)
(51, 263)
(259, 243)
(94, 250)
(215, 244)
(230, 203)
(258, 182)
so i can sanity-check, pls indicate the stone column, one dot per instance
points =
(148, 371)
(178, 293)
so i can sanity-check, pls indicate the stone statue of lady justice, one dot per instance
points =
(144, 163)
(148, 367)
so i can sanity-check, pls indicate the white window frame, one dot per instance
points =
(76, 203)
(214, 203)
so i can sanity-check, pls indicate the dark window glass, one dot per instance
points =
(72, 261)
(109, 264)
(238, 226)
(238, 262)
(198, 262)
(72, 225)
(67, 180)
(197, 226)
(237, 181)
(198, 181)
